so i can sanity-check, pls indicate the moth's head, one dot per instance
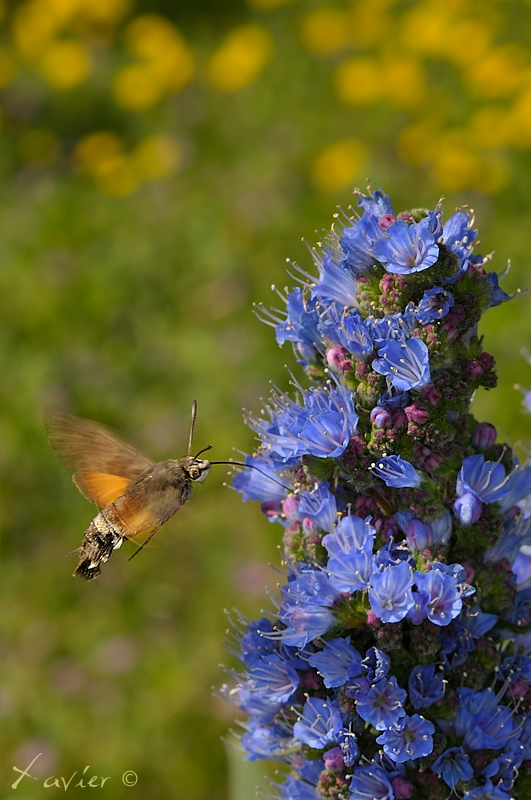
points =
(196, 468)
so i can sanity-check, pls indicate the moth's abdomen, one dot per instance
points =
(99, 540)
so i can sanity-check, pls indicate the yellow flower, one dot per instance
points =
(398, 80)
(32, 29)
(325, 31)
(500, 73)
(102, 156)
(337, 166)
(65, 64)
(165, 63)
(106, 12)
(156, 157)
(137, 87)
(240, 59)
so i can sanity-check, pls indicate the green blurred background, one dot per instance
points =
(160, 160)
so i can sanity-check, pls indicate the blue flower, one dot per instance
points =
(443, 593)
(350, 572)
(487, 792)
(265, 741)
(382, 706)
(273, 678)
(319, 723)
(498, 296)
(351, 532)
(435, 304)
(336, 662)
(426, 686)
(301, 323)
(397, 473)
(335, 283)
(410, 738)
(376, 203)
(262, 483)
(453, 766)
(319, 505)
(293, 789)
(371, 783)
(406, 364)
(306, 607)
(484, 479)
(458, 237)
(322, 427)
(398, 327)
(484, 724)
(390, 592)
(406, 248)
(345, 326)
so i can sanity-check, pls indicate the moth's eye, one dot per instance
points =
(195, 473)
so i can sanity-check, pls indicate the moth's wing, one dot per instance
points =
(134, 518)
(103, 465)
(99, 487)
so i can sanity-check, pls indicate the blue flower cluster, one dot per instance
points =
(398, 661)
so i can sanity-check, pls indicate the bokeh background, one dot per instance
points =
(159, 162)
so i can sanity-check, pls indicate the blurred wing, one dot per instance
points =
(103, 465)
(99, 487)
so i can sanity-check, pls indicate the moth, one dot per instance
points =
(135, 494)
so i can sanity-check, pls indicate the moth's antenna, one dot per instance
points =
(192, 426)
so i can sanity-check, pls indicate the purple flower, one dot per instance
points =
(406, 248)
(319, 723)
(406, 364)
(397, 473)
(350, 572)
(410, 738)
(398, 327)
(350, 533)
(390, 592)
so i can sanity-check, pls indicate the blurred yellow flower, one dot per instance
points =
(37, 147)
(138, 87)
(358, 81)
(490, 127)
(165, 64)
(369, 23)
(156, 157)
(337, 166)
(158, 42)
(399, 80)
(105, 11)
(65, 64)
(325, 31)
(500, 73)
(32, 28)
(240, 59)
(518, 119)
(92, 150)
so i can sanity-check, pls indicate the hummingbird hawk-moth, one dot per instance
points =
(135, 494)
